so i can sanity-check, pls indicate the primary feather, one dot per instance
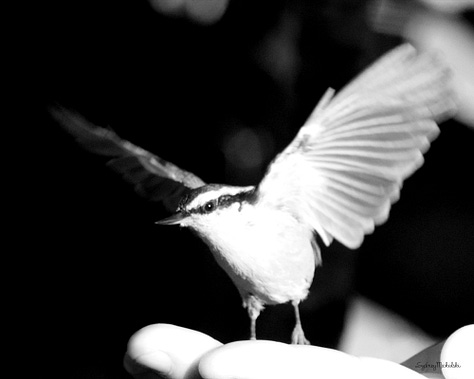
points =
(346, 165)
(152, 176)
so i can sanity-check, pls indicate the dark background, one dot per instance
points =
(91, 267)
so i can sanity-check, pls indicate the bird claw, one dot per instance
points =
(298, 338)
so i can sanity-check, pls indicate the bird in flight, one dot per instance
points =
(337, 179)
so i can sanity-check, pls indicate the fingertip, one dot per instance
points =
(153, 365)
(169, 350)
(269, 359)
(241, 359)
(170, 338)
(456, 355)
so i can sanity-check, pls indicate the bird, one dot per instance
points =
(336, 180)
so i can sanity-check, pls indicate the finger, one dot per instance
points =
(457, 354)
(166, 351)
(268, 359)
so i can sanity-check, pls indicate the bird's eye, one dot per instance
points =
(209, 206)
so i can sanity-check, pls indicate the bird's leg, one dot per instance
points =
(254, 306)
(253, 323)
(297, 337)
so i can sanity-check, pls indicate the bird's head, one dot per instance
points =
(207, 205)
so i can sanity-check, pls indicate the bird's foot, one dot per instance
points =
(298, 338)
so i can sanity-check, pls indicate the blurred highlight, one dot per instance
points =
(201, 11)
(454, 6)
(247, 150)
(434, 25)
(374, 331)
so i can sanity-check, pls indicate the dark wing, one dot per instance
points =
(347, 163)
(152, 176)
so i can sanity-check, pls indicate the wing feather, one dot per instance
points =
(152, 176)
(347, 163)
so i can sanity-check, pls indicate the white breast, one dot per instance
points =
(266, 252)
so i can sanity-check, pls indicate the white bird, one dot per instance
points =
(337, 178)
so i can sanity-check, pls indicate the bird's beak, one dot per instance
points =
(172, 220)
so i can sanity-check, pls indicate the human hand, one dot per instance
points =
(171, 352)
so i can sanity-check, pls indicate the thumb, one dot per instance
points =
(166, 351)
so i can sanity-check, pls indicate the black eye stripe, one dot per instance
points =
(221, 202)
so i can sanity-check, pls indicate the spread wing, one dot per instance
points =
(152, 177)
(347, 163)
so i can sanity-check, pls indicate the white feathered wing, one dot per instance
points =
(346, 165)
